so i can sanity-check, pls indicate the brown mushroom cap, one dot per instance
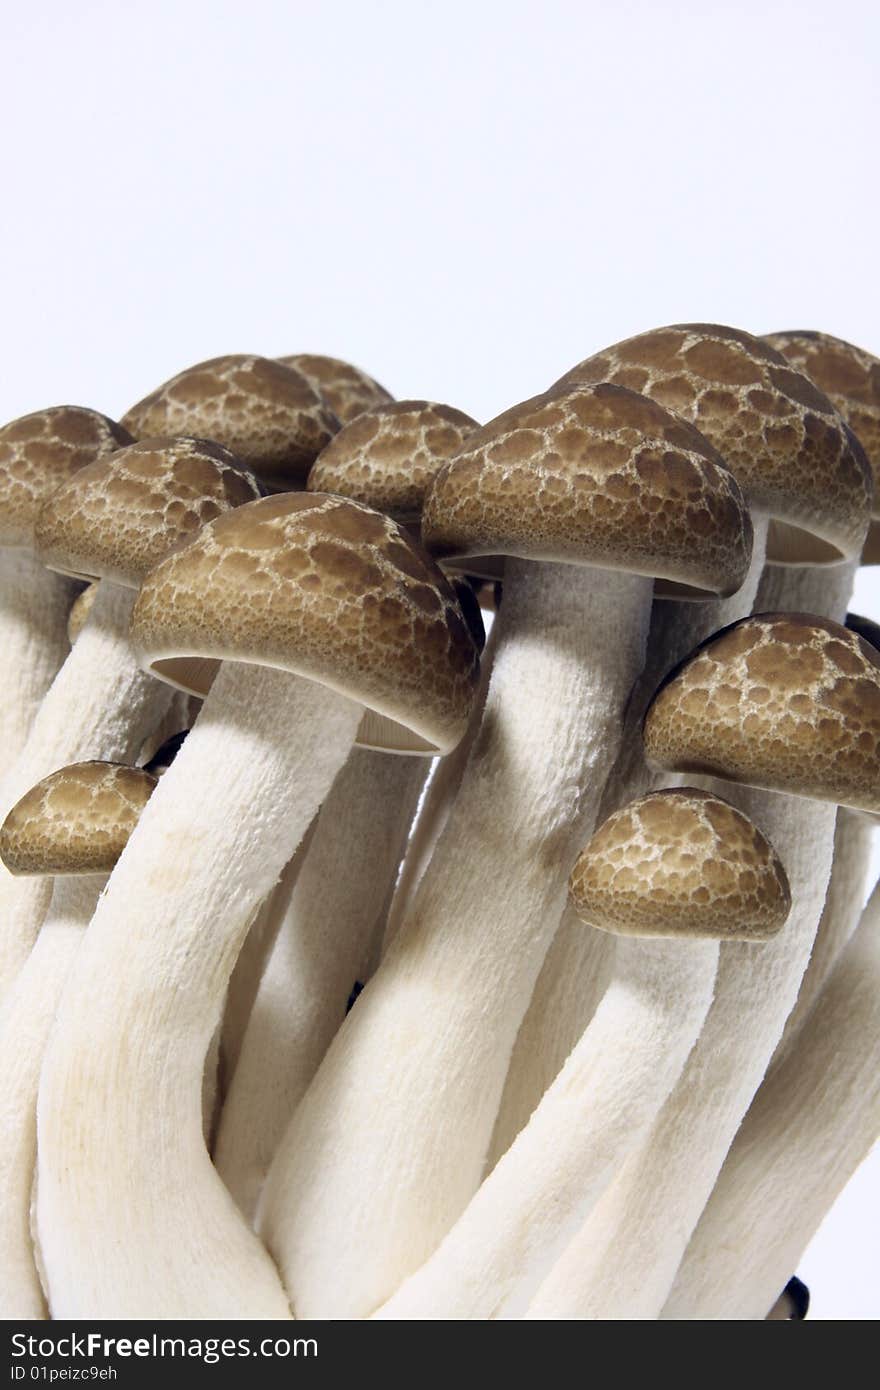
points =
(346, 389)
(120, 516)
(681, 863)
(329, 590)
(595, 475)
(41, 451)
(784, 701)
(792, 454)
(388, 456)
(75, 821)
(850, 378)
(265, 412)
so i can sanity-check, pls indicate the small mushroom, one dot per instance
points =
(37, 453)
(268, 414)
(315, 606)
(347, 390)
(682, 866)
(72, 826)
(570, 486)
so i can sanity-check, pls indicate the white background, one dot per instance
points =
(464, 198)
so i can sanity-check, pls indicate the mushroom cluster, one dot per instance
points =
(356, 964)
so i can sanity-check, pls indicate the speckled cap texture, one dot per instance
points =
(119, 517)
(388, 456)
(75, 821)
(600, 476)
(265, 412)
(345, 388)
(39, 452)
(681, 863)
(327, 589)
(850, 378)
(785, 701)
(793, 455)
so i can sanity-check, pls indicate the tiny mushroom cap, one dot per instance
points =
(346, 389)
(681, 863)
(850, 378)
(118, 517)
(41, 451)
(795, 458)
(389, 455)
(329, 590)
(75, 821)
(784, 701)
(595, 475)
(267, 413)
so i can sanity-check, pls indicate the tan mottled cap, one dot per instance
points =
(387, 457)
(597, 475)
(39, 452)
(266, 413)
(120, 516)
(785, 701)
(346, 389)
(329, 590)
(681, 863)
(80, 610)
(850, 378)
(792, 454)
(75, 821)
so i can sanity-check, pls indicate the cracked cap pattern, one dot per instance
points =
(347, 390)
(388, 456)
(75, 821)
(681, 863)
(784, 701)
(850, 378)
(327, 589)
(119, 517)
(595, 475)
(41, 451)
(266, 413)
(792, 454)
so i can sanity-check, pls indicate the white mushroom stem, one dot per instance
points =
(100, 705)
(601, 1103)
(576, 967)
(853, 843)
(33, 639)
(134, 1221)
(25, 1022)
(389, 1143)
(809, 1127)
(623, 1261)
(318, 954)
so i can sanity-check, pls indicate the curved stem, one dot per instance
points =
(389, 1142)
(27, 1018)
(100, 705)
(134, 1221)
(809, 1127)
(300, 1003)
(601, 1103)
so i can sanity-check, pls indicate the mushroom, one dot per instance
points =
(850, 378)
(347, 390)
(113, 520)
(802, 692)
(811, 1124)
(315, 606)
(682, 866)
(72, 825)
(802, 474)
(266, 413)
(37, 452)
(600, 477)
